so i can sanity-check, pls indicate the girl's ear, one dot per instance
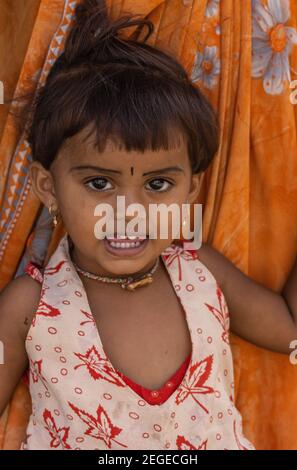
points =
(195, 187)
(42, 184)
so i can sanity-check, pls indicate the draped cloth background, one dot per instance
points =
(243, 54)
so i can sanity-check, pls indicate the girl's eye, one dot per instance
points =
(99, 184)
(159, 185)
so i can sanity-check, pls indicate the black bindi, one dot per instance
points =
(132, 170)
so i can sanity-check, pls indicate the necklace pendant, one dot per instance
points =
(142, 282)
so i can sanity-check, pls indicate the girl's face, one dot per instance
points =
(80, 178)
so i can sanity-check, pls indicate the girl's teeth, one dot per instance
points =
(124, 244)
(124, 237)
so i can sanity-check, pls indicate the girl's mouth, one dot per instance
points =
(125, 245)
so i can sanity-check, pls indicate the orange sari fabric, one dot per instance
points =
(243, 54)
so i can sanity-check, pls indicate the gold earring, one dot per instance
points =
(54, 213)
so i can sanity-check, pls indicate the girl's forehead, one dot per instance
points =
(81, 149)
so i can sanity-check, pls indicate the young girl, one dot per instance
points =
(110, 367)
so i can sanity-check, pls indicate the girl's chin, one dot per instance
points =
(125, 248)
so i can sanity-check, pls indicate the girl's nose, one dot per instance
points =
(129, 206)
(129, 199)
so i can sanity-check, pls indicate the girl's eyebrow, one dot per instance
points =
(93, 167)
(171, 169)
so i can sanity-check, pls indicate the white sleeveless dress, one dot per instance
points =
(79, 400)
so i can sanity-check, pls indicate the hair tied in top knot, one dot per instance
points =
(92, 29)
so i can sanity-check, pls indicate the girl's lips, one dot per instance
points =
(125, 250)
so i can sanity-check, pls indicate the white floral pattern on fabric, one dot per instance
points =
(272, 44)
(207, 67)
(212, 8)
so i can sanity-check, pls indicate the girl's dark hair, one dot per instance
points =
(125, 89)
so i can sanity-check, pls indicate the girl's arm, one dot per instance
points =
(18, 302)
(257, 314)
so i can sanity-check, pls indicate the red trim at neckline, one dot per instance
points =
(158, 396)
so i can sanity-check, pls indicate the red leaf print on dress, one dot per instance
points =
(47, 310)
(183, 444)
(54, 269)
(99, 427)
(221, 314)
(198, 375)
(36, 373)
(173, 253)
(89, 316)
(59, 435)
(99, 367)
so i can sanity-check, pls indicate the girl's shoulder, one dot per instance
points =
(209, 256)
(19, 300)
(218, 265)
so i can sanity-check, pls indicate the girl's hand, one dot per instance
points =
(18, 303)
(257, 314)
